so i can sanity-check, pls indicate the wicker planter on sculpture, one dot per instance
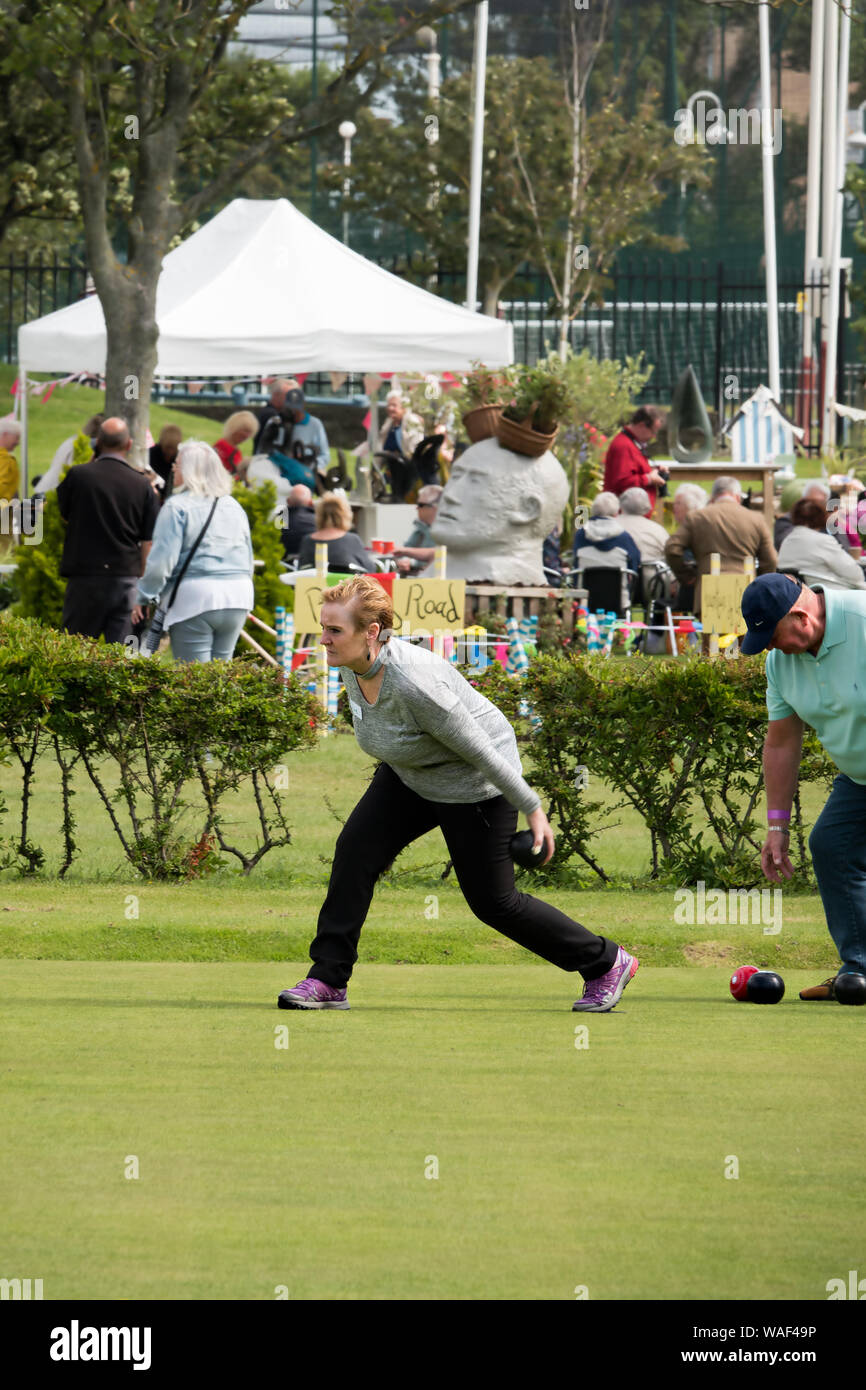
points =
(480, 423)
(520, 438)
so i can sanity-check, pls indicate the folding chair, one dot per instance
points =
(656, 580)
(609, 587)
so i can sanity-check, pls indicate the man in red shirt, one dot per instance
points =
(625, 464)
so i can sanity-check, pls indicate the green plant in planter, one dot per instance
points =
(485, 387)
(542, 395)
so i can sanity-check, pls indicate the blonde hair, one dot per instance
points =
(368, 602)
(202, 470)
(241, 420)
(332, 510)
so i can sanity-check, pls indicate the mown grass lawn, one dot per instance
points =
(459, 1133)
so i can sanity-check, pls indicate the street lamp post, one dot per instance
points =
(431, 119)
(428, 36)
(348, 130)
(706, 97)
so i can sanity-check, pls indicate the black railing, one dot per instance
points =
(31, 286)
(707, 316)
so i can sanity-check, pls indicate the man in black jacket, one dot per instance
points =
(110, 510)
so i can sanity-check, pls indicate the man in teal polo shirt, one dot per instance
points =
(816, 675)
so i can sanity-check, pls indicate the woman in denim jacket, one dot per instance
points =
(216, 593)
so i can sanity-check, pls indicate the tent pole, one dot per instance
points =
(22, 397)
(373, 441)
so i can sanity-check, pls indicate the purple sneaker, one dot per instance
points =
(599, 996)
(314, 994)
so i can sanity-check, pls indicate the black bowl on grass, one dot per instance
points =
(765, 987)
(850, 988)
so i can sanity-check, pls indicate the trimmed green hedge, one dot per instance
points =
(146, 733)
(679, 741)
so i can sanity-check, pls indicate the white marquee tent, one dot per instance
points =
(261, 289)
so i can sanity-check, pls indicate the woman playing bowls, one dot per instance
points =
(448, 758)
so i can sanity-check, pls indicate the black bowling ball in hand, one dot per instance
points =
(521, 851)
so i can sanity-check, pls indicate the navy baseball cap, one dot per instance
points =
(295, 399)
(765, 602)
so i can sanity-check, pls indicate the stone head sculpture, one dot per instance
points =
(495, 512)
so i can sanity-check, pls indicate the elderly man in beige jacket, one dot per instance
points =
(725, 528)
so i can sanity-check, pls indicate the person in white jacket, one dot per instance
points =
(816, 555)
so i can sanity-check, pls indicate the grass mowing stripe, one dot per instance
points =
(243, 920)
(558, 1166)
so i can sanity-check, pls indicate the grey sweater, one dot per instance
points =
(438, 733)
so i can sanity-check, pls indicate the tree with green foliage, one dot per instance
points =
(550, 187)
(133, 77)
(606, 187)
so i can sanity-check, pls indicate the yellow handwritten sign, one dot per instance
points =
(308, 601)
(721, 595)
(437, 605)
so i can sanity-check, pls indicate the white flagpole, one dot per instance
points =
(767, 129)
(480, 74)
(813, 177)
(828, 441)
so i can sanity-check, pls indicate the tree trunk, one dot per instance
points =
(492, 291)
(130, 321)
(127, 292)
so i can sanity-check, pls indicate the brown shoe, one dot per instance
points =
(822, 991)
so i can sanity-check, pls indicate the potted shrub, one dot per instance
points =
(529, 424)
(484, 394)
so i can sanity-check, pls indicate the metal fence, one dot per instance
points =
(31, 286)
(710, 317)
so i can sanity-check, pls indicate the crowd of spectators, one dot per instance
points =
(130, 530)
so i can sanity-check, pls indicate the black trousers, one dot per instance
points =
(97, 607)
(389, 817)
